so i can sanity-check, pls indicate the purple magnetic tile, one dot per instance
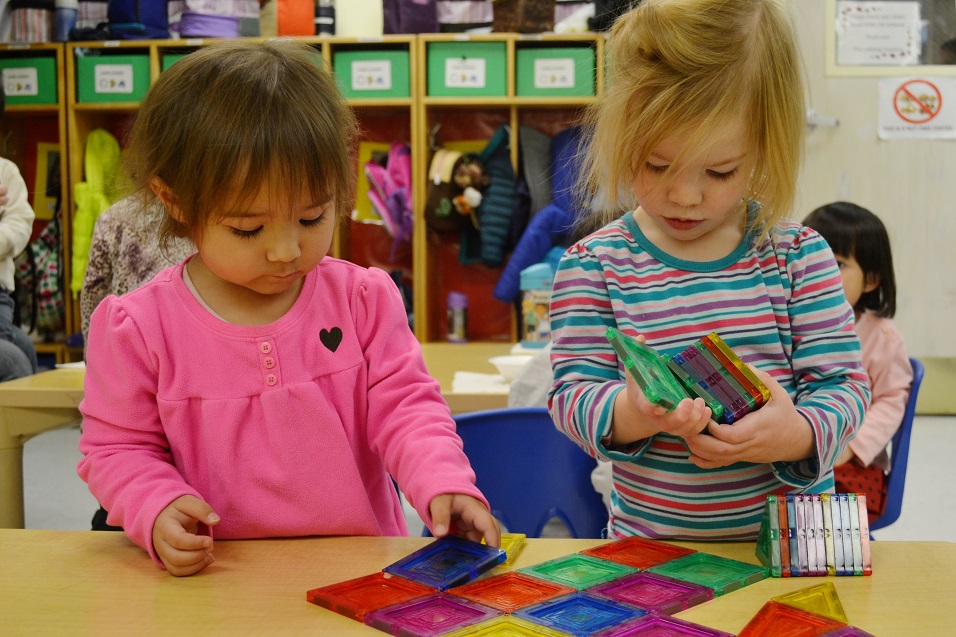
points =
(662, 626)
(429, 616)
(653, 592)
(847, 631)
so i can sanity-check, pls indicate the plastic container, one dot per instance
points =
(457, 317)
(536, 282)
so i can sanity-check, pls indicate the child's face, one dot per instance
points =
(703, 191)
(270, 246)
(856, 283)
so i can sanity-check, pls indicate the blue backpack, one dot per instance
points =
(138, 19)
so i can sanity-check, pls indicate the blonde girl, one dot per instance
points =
(692, 166)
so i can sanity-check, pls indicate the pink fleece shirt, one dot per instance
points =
(286, 429)
(887, 364)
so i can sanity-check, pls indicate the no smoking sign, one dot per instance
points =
(917, 101)
(917, 108)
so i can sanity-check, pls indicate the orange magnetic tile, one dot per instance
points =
(356, 597)
(510, 591)
(638, 552)
(780, 620)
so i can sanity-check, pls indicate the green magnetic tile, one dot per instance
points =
(648, 369)
(578, 571)
(721, 574)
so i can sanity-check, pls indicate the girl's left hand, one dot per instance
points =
(464, 516)
(774, 433)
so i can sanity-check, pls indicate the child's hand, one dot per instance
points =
(176, 539)
(636, 418)
(464, 516)
(774, 433)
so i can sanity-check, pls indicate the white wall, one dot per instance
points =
(910, 184)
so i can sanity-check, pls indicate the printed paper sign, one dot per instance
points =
(372, 75)
(113, 78)
(465, 73)
(21, 81)
(917, 108)
(878, 33)
(554, 73)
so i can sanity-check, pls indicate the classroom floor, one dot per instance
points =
(55, 498)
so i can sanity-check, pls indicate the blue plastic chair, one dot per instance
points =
(530, 472)
(899, 455)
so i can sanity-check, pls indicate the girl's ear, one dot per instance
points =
(166, 197)
(871, 282)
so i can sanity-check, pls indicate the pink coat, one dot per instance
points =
(286, 429)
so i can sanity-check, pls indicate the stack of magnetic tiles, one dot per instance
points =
(708, 369)
(625, 588)
(815, 534)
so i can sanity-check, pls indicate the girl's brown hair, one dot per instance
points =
(233, 116)
(677, 66)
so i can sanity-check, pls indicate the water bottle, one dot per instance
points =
(536, 282)
(457, 317)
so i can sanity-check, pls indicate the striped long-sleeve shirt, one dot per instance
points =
(777, 300)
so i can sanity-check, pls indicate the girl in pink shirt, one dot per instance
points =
(261, 388)
(862, 248)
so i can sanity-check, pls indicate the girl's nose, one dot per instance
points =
(684, 190)
(284, 247)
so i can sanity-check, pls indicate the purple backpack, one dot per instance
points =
(410, 16)
(391, 192)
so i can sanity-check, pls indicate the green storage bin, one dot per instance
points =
(112, 78)
(467, 69)
(555, 72)
(171, 58)
(29, 80)
(374, 73)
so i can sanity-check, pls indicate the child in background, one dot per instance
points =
(862, 248)
(700, 134)
(125, 253)
(260, 388)
(18, 356)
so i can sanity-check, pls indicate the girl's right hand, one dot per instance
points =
(176, 537)
(636, 417)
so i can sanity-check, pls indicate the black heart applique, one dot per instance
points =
(331, 338)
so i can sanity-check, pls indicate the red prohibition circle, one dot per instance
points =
(925, 113)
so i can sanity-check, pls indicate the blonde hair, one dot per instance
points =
(679, 66)
(233, 116)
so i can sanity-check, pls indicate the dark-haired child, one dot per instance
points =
(861, 246)
(261, 388)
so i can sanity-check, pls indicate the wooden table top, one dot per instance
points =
(99, 583)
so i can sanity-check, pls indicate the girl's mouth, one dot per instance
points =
(682, 224)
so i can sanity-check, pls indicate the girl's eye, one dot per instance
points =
(245, 234)
(654, 168)
(722, 176)
(308, 223)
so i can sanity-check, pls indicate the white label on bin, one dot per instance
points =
(465, 73)
(113, 78)
(21, 81)
(554, 73)
(372, 75)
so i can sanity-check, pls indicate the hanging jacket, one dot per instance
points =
(92, 197)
